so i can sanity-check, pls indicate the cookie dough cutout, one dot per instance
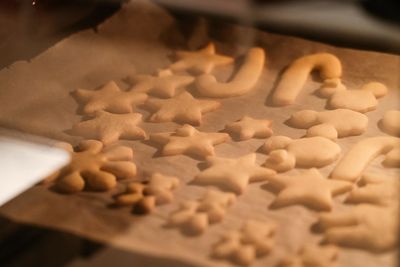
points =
(109, 128)
(353, 163)
(361, 100)
(93, 168)
(201, 61)
(244, 80)
(164, 85)
(286, 153)
(331, 124)
(247, 128)
(295, 77)
(183, 108)
(109, 98)
(390, 122)
(254, 240)
(233, 174)
(367, 227)
(144, 197)
(300, 190)
(313, 256)
(188, 140)
(195, 216)
(375, 189)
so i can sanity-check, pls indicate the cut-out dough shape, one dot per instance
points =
(92, 168)
(108, 127)
(109, 98)
(248, 127)
(365, 226)
(300, 190)
(331, 124)
(244, 80)
(201, 61)
(163, 85)
(233, 174)
(361, 100)
(254, 240)
(375, 190)
(312, 256)
(390, 122)
(196, 216)
(188, 140)
(294, 78)
(183, 108)
(353, 163)
(144, 197)
(286, 153)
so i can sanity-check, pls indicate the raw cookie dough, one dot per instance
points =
(390, 122)
(247, 128)
(188, 140)
(313, 256)
(331, 124)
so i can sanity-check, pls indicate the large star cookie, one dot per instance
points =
(109, 98)
(188, 140)
(93, 168)
(108, 127)
(163, 85)
(301, 189)
(201, 61)
(248, 127)
(233, 174)
(183, 108)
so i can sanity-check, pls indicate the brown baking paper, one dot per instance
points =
(140, 38)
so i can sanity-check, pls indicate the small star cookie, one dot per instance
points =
(90, 167)
(301, 189)
(108, 127)
(188, 140)
(183, 108)
(312, 256)
(109, 98)
(254, 240)
(233, 174)
(248, 127)
(201, 61)
(163, 85)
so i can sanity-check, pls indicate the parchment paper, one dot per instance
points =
(35, 98)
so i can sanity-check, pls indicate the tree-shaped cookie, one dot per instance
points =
(92, 168)
(375, 189)
(285, 153)
(188, 140)
(361, 100)
(164, 85)
(109, 98)
(247, 128)
(195, 216)
(364, 226)
(254, 240)
(331, 124)
(201, 61)
(108, 127)
(233, 174)
(300, 190)
(183, 108)
(312, 256)
(144, 196)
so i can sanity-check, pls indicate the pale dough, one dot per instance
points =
(390, 122)
(248, 127)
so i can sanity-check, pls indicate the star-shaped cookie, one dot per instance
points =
(233, 174)
(109, 98)
(309, 188)
(108, 127)
(163, 85)
(201, 61)
(183, 108)
(188, 140)
(248, 127)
